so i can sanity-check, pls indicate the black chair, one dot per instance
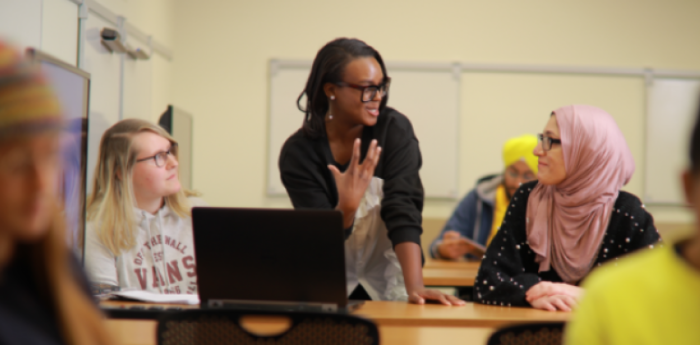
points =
(223, 326)
(550, 333)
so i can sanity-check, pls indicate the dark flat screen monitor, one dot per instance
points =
(72, 87)
(178, 123)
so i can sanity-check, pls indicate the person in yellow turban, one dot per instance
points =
(479, 215)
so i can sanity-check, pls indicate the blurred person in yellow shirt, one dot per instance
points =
(650, 297)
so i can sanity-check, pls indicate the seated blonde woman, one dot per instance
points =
(574, 219)
(139, 231)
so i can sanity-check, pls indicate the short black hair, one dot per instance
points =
(328, 67)
(695, 144)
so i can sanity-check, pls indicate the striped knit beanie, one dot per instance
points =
(27, 102)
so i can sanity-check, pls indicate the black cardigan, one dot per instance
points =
(508, 268)
(26, 315)
(303, 165)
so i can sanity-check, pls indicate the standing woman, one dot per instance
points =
(356, 155)
(43, 295)
(574, 219)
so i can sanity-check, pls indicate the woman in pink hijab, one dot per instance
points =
(574, 219)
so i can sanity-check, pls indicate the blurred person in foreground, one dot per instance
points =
(651, 297)
(43, 293)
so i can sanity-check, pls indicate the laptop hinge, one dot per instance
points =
(223, 303)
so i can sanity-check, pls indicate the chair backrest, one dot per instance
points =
(222, 326)
(529, 334)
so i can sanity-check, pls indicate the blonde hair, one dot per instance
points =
(111, 205)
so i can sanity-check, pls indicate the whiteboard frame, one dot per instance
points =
(96, 8)
(650, 79)
(648, 74)
(454, 68)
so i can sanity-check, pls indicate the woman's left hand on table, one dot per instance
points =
(420, 296)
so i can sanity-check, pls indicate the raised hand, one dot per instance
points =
(353, 183)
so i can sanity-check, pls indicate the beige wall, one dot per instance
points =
(222, 51)
(156, 18)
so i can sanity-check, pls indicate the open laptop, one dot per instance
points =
(271, 259)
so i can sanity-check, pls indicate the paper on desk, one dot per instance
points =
(145, 296)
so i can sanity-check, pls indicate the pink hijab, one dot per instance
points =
(566, 223)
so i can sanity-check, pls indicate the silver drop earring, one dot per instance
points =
(330, 116)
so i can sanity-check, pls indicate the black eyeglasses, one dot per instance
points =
(369, 92)
(547, 141)
(161, 157)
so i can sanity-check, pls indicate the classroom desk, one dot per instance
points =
(470, 315)
(450, 273)
(399, 322)
(456, 264)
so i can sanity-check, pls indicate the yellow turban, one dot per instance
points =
(520, 149)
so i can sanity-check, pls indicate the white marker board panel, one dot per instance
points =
(138, 82)
(499, 106)
(20, 22)
(59, 30)
(285, 118)
(672, 108)
(105, 70)
(428, 96)
(47, 25)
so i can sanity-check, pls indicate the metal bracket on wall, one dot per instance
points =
(648, 77)
(457, 71)
(121, 21)
(94, 7)
(82, 18)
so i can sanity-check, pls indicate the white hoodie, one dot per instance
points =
(162, 260)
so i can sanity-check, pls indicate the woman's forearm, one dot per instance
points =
(348, 216)
(409, 255)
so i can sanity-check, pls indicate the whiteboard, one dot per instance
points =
(20, 22)
(138, 84)
(672, 108)
(105, 72)
(59, 30)
(428, 94)
(47, 25)
(499, 106)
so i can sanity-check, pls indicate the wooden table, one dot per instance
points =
(454, 264)
(450, 273)
(471, 315)
(399, 323)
